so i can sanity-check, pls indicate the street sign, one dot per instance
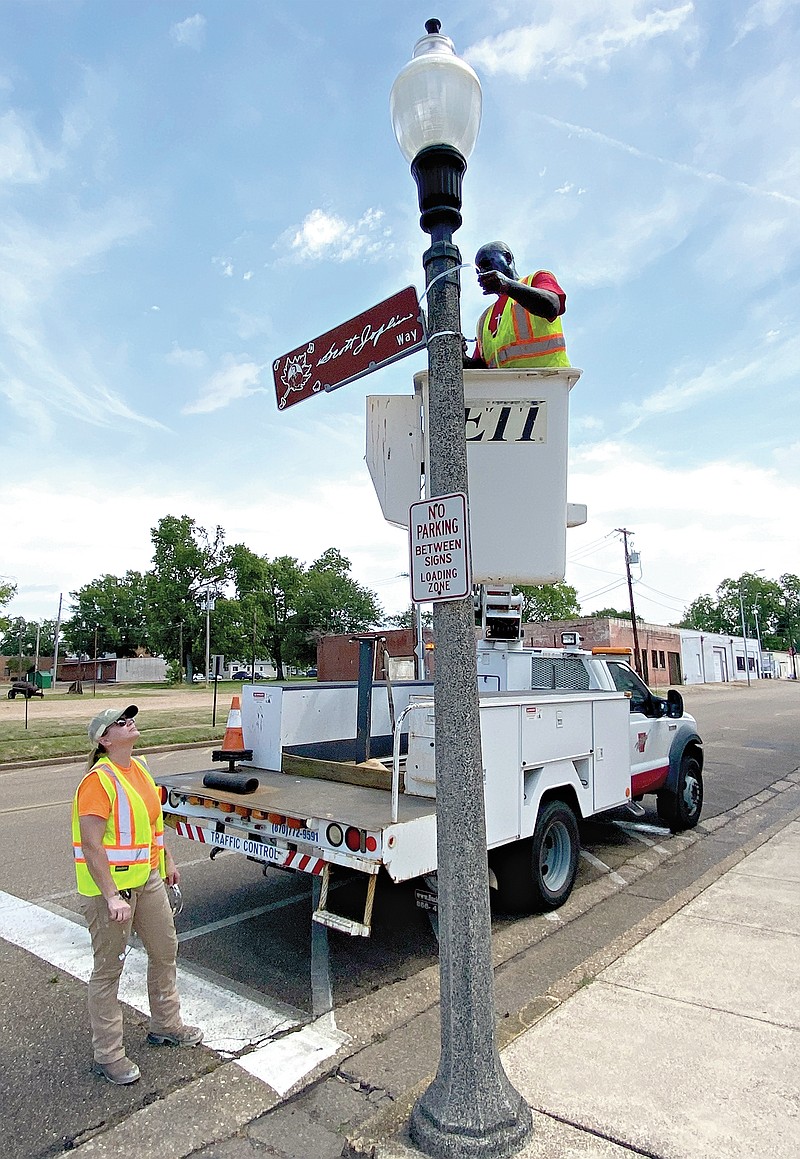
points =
(438, 531)
(380, 335)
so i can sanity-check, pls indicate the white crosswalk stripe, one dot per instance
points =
(231, 1022)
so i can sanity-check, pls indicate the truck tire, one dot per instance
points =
(11, 694)
(539, 873)
(680, 808)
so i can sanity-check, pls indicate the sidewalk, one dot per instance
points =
(688, 1046)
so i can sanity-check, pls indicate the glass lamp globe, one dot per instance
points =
(436, 98)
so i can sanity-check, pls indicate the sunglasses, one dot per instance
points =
(123, 720)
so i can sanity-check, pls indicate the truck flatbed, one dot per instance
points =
(299, 797)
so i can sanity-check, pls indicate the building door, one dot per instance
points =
(720, 665)
(674, 663)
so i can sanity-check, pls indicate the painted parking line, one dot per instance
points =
(635, 831)
(617, 878)
(231, 1022)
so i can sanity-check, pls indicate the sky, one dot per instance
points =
(190, 190)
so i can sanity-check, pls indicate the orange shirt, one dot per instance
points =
(93, 800)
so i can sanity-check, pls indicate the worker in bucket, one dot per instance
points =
(522, 330)
(123, 870)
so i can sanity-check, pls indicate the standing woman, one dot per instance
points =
(122, 866)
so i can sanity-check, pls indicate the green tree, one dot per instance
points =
(8, 589)
(331, 603)
(558, 601)
(406, 619)
(10, 640)
(114, 606)
(267, 592)
(770, 607)
(187, 562)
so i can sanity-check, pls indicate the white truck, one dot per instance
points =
(343, 774)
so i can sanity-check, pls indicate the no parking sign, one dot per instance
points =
(439, 540)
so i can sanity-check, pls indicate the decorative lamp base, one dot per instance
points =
(438, 172)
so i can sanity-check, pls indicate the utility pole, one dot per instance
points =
(637, 660)
(55, 642)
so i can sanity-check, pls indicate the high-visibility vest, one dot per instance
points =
(128, 836)
(522, 340)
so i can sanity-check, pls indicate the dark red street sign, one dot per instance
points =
(380, 335)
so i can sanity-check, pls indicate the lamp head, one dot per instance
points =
(436, 98)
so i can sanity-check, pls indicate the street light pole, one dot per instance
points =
(744, 634)
(760, 664)
(470, 1108)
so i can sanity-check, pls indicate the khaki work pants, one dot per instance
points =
(153, 922)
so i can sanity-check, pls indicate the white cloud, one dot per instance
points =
(693, 526)
(191, 359)
(24, 160)
(324, 236)
(234, 381)
(762, 14)
(191, 32)
(42, 359)
(574, 39)
(634, 239)
(775, 362)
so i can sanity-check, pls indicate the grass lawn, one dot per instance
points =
(58, 736)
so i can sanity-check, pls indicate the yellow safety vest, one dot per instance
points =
(522, 340)
(128, 836)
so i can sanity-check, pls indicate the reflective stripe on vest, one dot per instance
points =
(128, 835)
(522, 339)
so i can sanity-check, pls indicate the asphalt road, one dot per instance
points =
(248, 935)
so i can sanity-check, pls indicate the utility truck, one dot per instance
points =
(341, 776)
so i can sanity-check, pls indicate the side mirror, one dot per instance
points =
(674, 703)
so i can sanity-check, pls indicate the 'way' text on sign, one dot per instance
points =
(439, 539)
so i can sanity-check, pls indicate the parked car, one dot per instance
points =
(245, 676)
(311, 672)
(24, 688)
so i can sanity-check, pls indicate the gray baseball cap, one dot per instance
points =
(108, 717)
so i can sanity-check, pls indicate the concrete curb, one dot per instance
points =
(393, 1119)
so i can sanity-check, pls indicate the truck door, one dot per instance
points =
(651, 730)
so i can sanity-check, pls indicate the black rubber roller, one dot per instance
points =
(231, 782)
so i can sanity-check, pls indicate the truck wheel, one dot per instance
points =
(539, 873)
(681, 808)
(11, 695)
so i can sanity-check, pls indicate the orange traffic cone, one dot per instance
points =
(233, 749)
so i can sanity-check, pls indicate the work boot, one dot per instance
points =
(121, 1071)
(184, 1036)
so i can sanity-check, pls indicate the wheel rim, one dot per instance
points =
(555, 857)
(692, 791)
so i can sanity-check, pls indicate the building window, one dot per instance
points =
(740, 663)
(661, 660)
(654, 658)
